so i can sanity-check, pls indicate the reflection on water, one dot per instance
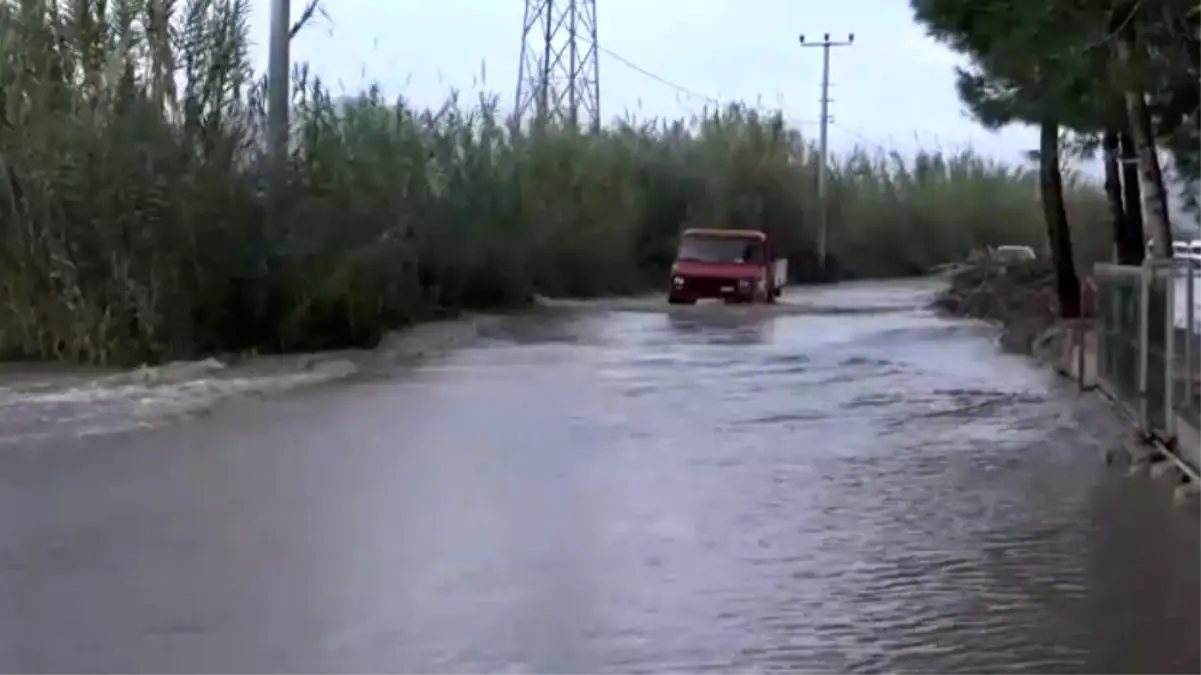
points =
(736, 326)
(875, 490)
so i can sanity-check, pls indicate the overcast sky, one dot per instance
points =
(892, 89)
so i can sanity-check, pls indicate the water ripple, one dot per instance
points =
(624, 491)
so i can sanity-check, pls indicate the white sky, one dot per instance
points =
(893, 89)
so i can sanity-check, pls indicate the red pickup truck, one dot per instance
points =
(737, 266)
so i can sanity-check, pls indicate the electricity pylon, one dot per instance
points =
(558, 80)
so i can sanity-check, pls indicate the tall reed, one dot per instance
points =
(132, 221)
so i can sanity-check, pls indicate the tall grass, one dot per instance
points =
(132, 213)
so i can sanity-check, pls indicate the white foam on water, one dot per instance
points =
(835, 299)
(82, 404)
(145, 397)
(59, 402)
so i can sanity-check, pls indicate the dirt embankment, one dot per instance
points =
(1017, 295)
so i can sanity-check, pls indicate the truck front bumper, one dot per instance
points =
(699, 288)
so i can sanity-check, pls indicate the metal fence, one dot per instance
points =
(1187, 335)
(1149, 339)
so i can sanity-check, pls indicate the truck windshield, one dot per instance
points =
(720, 250)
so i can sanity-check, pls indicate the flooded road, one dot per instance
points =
(847, 485)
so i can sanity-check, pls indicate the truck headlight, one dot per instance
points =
(744, 284)
(677, 281)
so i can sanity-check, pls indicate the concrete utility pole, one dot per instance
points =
(823, 237)
(278, 95)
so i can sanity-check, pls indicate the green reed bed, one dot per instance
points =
(132, 215)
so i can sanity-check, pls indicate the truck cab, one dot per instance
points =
(737, 266)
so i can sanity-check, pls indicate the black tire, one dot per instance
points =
(673, 300)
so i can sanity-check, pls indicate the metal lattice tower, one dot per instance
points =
(558, 80)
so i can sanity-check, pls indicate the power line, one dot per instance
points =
(877, 145)
(694, 94)
(874, 143)
(658, 78)
(713, 100)
(686, 91)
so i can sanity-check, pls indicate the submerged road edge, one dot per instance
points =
(1074, 358)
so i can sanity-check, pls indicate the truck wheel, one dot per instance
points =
(676, 300)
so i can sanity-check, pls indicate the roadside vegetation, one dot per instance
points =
(133, 222)
(1119, 79)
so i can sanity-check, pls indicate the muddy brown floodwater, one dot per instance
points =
(846, 484)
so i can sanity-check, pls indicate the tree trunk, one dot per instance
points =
(1113, 194)
(1132, 198)
(1155, 200)
(1067, 284)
